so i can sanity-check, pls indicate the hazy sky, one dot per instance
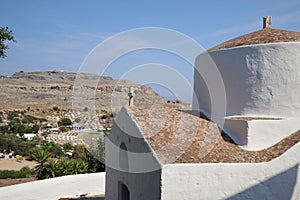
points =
(59, 34)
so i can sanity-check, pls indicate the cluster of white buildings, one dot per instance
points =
(71, 137)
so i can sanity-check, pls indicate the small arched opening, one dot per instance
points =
(123, 193)
(123, 157)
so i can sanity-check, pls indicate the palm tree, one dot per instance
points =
(64, 167)
(79, 167)
(42, 157)
(51, 168)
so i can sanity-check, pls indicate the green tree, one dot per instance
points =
(28, 119)
(35, 128)
(19, 145)
(55, 108)
(53, 149)
(63, 129)
(4, 129)
(65, 122)
(41, 156)
(5, 34)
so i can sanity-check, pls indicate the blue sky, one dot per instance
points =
(59, 34)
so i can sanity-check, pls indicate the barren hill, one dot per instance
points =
(39, 92)
(55, 88)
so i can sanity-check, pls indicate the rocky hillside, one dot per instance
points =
(55, 88)
(39, 92)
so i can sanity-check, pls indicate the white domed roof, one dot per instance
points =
(266, 35)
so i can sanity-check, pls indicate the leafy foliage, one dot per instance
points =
(80, 152)
(5, 34)
(49, 168)
(53, 149)
(68, 146)
(65, 122)
(28, 124)
(15, 127)
(20, 146)
(22, 173)
(42, 157)
(96, 154)
(12, 114)
(28, 119)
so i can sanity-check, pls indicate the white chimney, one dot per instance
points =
(267, 21)
(130, 95)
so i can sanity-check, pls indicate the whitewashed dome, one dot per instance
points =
(266, 35)
(260, 72)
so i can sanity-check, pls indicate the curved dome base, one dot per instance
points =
(261, 132)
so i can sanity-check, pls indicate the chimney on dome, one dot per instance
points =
(130, 95)
(267, 21)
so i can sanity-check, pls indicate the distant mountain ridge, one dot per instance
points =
(46, 89)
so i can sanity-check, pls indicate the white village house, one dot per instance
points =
(157, 152)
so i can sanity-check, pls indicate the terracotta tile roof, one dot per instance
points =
(266, 35)
(179, 137)
(230, 153)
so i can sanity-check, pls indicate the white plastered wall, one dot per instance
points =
(260, 134)
(55, 188)
(260, 80)
(278, 179)
(143, 175)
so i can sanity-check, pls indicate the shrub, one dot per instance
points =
(22, 173)
(77, 120)
(19, 158)
(65, 122)
(17, 120)
(68, 146)
(55, 108)
(4, 129)
(53, 149)
(104, 117)
(12, 114)
(28, 119)
(1, 120)
(63, 129)
(26, 171)
(35, 128)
